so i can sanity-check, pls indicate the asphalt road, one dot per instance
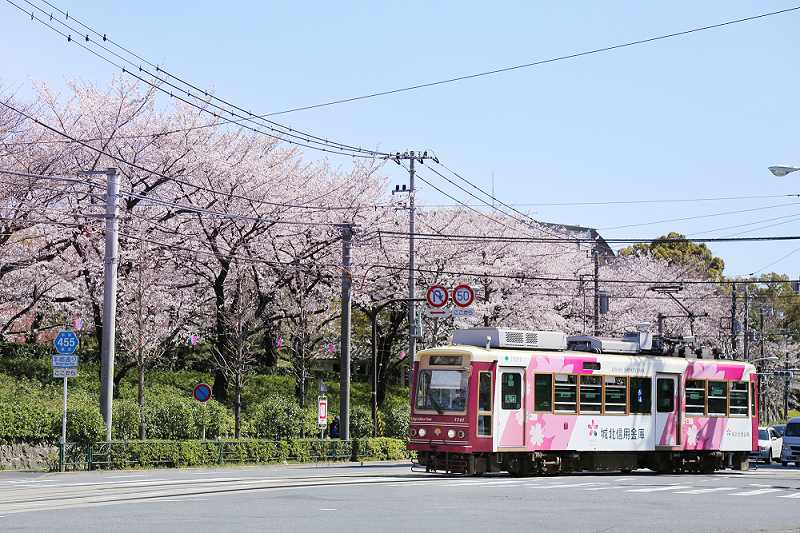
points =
(389, 497)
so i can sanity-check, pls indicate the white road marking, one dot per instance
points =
(658, 489)
(755, 492)
(705, 491)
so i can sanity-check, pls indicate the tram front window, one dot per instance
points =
(442, 390)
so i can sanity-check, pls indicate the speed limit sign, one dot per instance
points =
(463, 296)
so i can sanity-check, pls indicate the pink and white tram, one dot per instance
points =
(521, 402)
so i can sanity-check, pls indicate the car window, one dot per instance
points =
(763, 435)
(792, 430)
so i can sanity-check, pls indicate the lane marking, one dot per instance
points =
(705, 491)
(659, 489)
(755, 492)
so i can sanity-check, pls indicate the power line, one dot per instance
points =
(289, 135)
(536, 63)
(152, 172)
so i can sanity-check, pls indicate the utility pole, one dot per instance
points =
(596, 256)
(344, 359)
(746, 325)
(109, 296)
(412, 324)
(733, 320)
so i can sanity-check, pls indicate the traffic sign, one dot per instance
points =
(64, 361)
(437, 296)
(65, 372)
(322, 411)
(201, 392)
(463, 311)
(437, 313)
(66, 342)
(463, 296)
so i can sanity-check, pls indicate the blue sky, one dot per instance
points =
(673, 127)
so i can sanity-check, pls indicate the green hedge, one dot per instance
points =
(149, 454)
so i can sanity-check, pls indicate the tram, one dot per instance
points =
(532, 402)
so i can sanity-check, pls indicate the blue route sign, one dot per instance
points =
(66, 342)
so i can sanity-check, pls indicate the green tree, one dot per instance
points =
(677, 250)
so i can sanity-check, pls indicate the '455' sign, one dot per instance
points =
(66, 342)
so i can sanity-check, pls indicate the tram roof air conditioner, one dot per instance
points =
(510, 338)
(630, 343)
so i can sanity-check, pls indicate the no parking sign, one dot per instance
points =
(202, 393)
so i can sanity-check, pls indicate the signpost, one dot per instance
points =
(463, 296)
(65, 365)
(202, 393)
(437, 296)
(66, 342)
(322, 413)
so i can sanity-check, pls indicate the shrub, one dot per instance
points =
(84, 422)
(395, 421)
(126, 417)
(276, 418)
(360, 422)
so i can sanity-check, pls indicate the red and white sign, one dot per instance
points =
(463, 296)
(437, 296)
(322, 412)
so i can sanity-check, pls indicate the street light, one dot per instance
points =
(782, 170)
(771, 359)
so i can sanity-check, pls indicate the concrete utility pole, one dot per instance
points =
(412, 323)
(596, 256)
(344, 359)
(734, 333)
(109, 299)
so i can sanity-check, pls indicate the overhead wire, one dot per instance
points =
(289, 135)
(152, 172)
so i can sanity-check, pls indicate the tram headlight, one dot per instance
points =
(451, 434)
(422, 432)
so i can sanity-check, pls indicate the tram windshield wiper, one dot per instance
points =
(435, 403)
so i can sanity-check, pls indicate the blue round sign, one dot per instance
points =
(201, 392)
(66, 342)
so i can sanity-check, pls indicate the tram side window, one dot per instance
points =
(695, 397)
(511, 391)
(717, 398)
(543, 393)
(641, 396)
(591, 394)
(738, 398)
(485, 404)
(753, 399)
(566, 393)
(616, 397)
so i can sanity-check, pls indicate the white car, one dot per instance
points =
(769, 446)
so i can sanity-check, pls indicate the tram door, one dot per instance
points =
(667, 410)
(510, 429)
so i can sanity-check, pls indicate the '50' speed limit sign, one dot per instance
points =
(463, 296)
